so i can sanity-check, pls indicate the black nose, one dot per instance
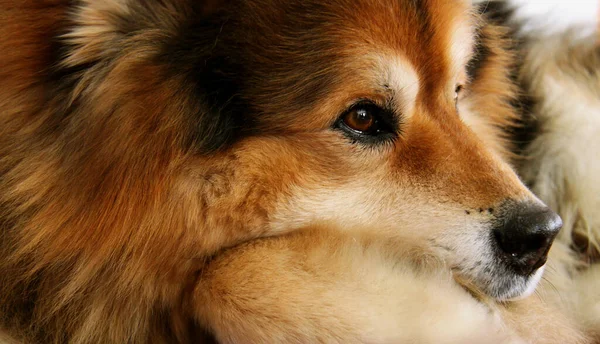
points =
(524, 234)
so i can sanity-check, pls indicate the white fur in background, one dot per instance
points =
(556, 15)
(562, 165)
(547, 17)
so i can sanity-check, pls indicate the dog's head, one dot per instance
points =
(386, 115)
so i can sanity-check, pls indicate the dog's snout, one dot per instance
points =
(524, 234)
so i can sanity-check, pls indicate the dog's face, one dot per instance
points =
(362, 114)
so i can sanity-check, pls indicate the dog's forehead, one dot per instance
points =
(432, 39)
(434, 36)
(409, 25)
(410, 45)
(301, 52)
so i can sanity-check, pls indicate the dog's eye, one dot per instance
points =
(366, 121)
(457, 91)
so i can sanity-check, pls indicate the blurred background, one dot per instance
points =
(552, 15)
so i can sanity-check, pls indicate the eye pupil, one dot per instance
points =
(360, 119)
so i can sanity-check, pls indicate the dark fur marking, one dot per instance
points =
(480, 56)
(526, 128)
(230, 70)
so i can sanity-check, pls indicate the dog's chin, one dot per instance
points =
(514, 287)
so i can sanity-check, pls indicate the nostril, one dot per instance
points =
(507, 244)
(524, 255)
(537, 242)
(528, 244)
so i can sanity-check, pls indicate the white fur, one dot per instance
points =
(404, 82)
(587, 298)
(531, 285)
(554, 17)
(461, 48)
(550, 17)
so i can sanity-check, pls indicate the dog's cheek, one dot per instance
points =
(234, 195)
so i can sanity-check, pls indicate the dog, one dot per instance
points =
(266, 171)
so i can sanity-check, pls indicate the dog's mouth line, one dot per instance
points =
(471, 287)
(500, 285)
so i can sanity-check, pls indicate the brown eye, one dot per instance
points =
(360, 119)
(368, 123)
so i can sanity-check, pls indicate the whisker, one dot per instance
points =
(554, 288)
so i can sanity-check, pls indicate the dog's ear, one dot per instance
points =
(94, 25)
(98, 25)
(205, 53)
(185, 40)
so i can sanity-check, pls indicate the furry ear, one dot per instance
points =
(94, 31)
(177, 38)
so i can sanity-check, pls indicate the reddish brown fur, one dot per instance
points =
(108, 214)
